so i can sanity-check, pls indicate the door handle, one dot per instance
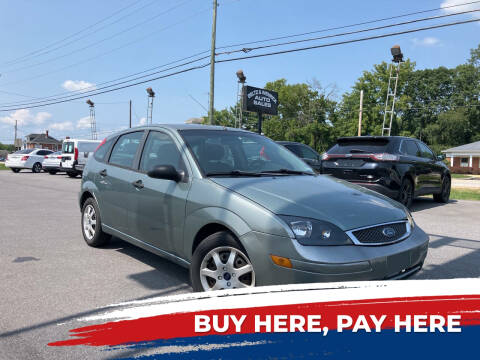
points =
(103, 172)
(138, 184)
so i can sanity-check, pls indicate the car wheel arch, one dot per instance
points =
(210, 229)
(87, 194)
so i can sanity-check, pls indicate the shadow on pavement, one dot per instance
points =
(424, 203)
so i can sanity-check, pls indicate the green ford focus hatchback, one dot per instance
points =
(239, 210)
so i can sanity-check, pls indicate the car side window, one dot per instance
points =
(160, 149)
(103, 150)
(425, 151)
(295, 149)
(410, 148)
(125, 149)
(308, 153)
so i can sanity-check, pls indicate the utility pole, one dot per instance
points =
(212, 64)
(15, 141)
(130, 122)
(360, 114)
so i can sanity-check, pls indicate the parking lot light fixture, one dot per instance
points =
(396, 53)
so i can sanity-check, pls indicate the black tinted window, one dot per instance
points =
(103, 150)
(353, 146)
(123, 153)
(160, 149)
(410, 148)
(295, 149)
(425, 151)
(44, 152)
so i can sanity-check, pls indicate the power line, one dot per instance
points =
(349, 41)
(95, 87)
(92, 92)
(84, 36)
(246, 50)
(72, 35)
(110, 90)
(110, 51)
(99, 41)
(348, 26)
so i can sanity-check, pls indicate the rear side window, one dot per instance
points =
(410, 148)
(354, 146)
(68, 147)
(295, 149)
(103, 150)
(125, 149)
(44, 152)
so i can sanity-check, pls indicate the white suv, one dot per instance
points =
(75, 154)
(27, 159)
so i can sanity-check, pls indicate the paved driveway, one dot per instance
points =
(49, 277)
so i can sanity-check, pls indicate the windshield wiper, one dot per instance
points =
(233, 173)
(287, 172)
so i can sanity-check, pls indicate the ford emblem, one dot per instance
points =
(389, 232)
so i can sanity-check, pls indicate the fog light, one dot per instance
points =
(281, 261)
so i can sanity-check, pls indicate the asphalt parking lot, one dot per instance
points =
(49, 277)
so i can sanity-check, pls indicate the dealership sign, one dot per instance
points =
(260, 100)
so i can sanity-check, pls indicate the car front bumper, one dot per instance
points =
(333, 263)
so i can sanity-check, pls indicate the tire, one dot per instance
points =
(15, 170)
(444, 196)
(406, 193)
(92, 225)
(211, 272)
(37, 168)
(72, 174)
(52, 172)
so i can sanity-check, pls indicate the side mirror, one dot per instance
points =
(441, 157)
(165, 172)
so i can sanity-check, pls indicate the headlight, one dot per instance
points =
(316, 232)
(410, 219)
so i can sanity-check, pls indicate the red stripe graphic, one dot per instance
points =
(180, 325)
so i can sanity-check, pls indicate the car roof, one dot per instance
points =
(373, 138)
(189, 127)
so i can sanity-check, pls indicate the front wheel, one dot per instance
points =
(92, 225)
(72, 174)
(444, 196)
(219, 263)
(15, 170)
(52, 172)
(406, 193)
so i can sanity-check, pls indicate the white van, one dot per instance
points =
(75, 153)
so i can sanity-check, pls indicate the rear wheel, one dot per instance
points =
(52, 172)
(406, 193)
(92, 225)
(15, 170)
(219, 262)
(72, 174)
(444, 196)
(36, 168)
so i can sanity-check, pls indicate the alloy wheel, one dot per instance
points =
(406, 194)
(226, 268)
(89, 221)
(37, 168)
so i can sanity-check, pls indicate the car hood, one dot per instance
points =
(319, 197)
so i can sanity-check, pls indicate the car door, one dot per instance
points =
(434, 179)
(410, 157)
(114, 180)
(157, 211)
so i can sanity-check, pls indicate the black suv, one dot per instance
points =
(304, 152)
(399, 167)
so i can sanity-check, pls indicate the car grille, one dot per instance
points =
(382, 234)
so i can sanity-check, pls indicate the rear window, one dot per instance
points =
(360, 146)
(68, 147)
(24, 151)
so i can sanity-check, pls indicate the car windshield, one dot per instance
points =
(240, 153)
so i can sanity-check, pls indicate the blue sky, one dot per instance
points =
(166, 30)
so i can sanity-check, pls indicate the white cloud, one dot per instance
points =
(84, 123)
(78, 85)
(25, 117)
(142, 121)
(426, 41)
(61, 126)
(467, 7)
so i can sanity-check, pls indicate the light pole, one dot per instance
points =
(241, 84)
(151, 95)
(211, 119)
(93, 123)
(392, 93)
